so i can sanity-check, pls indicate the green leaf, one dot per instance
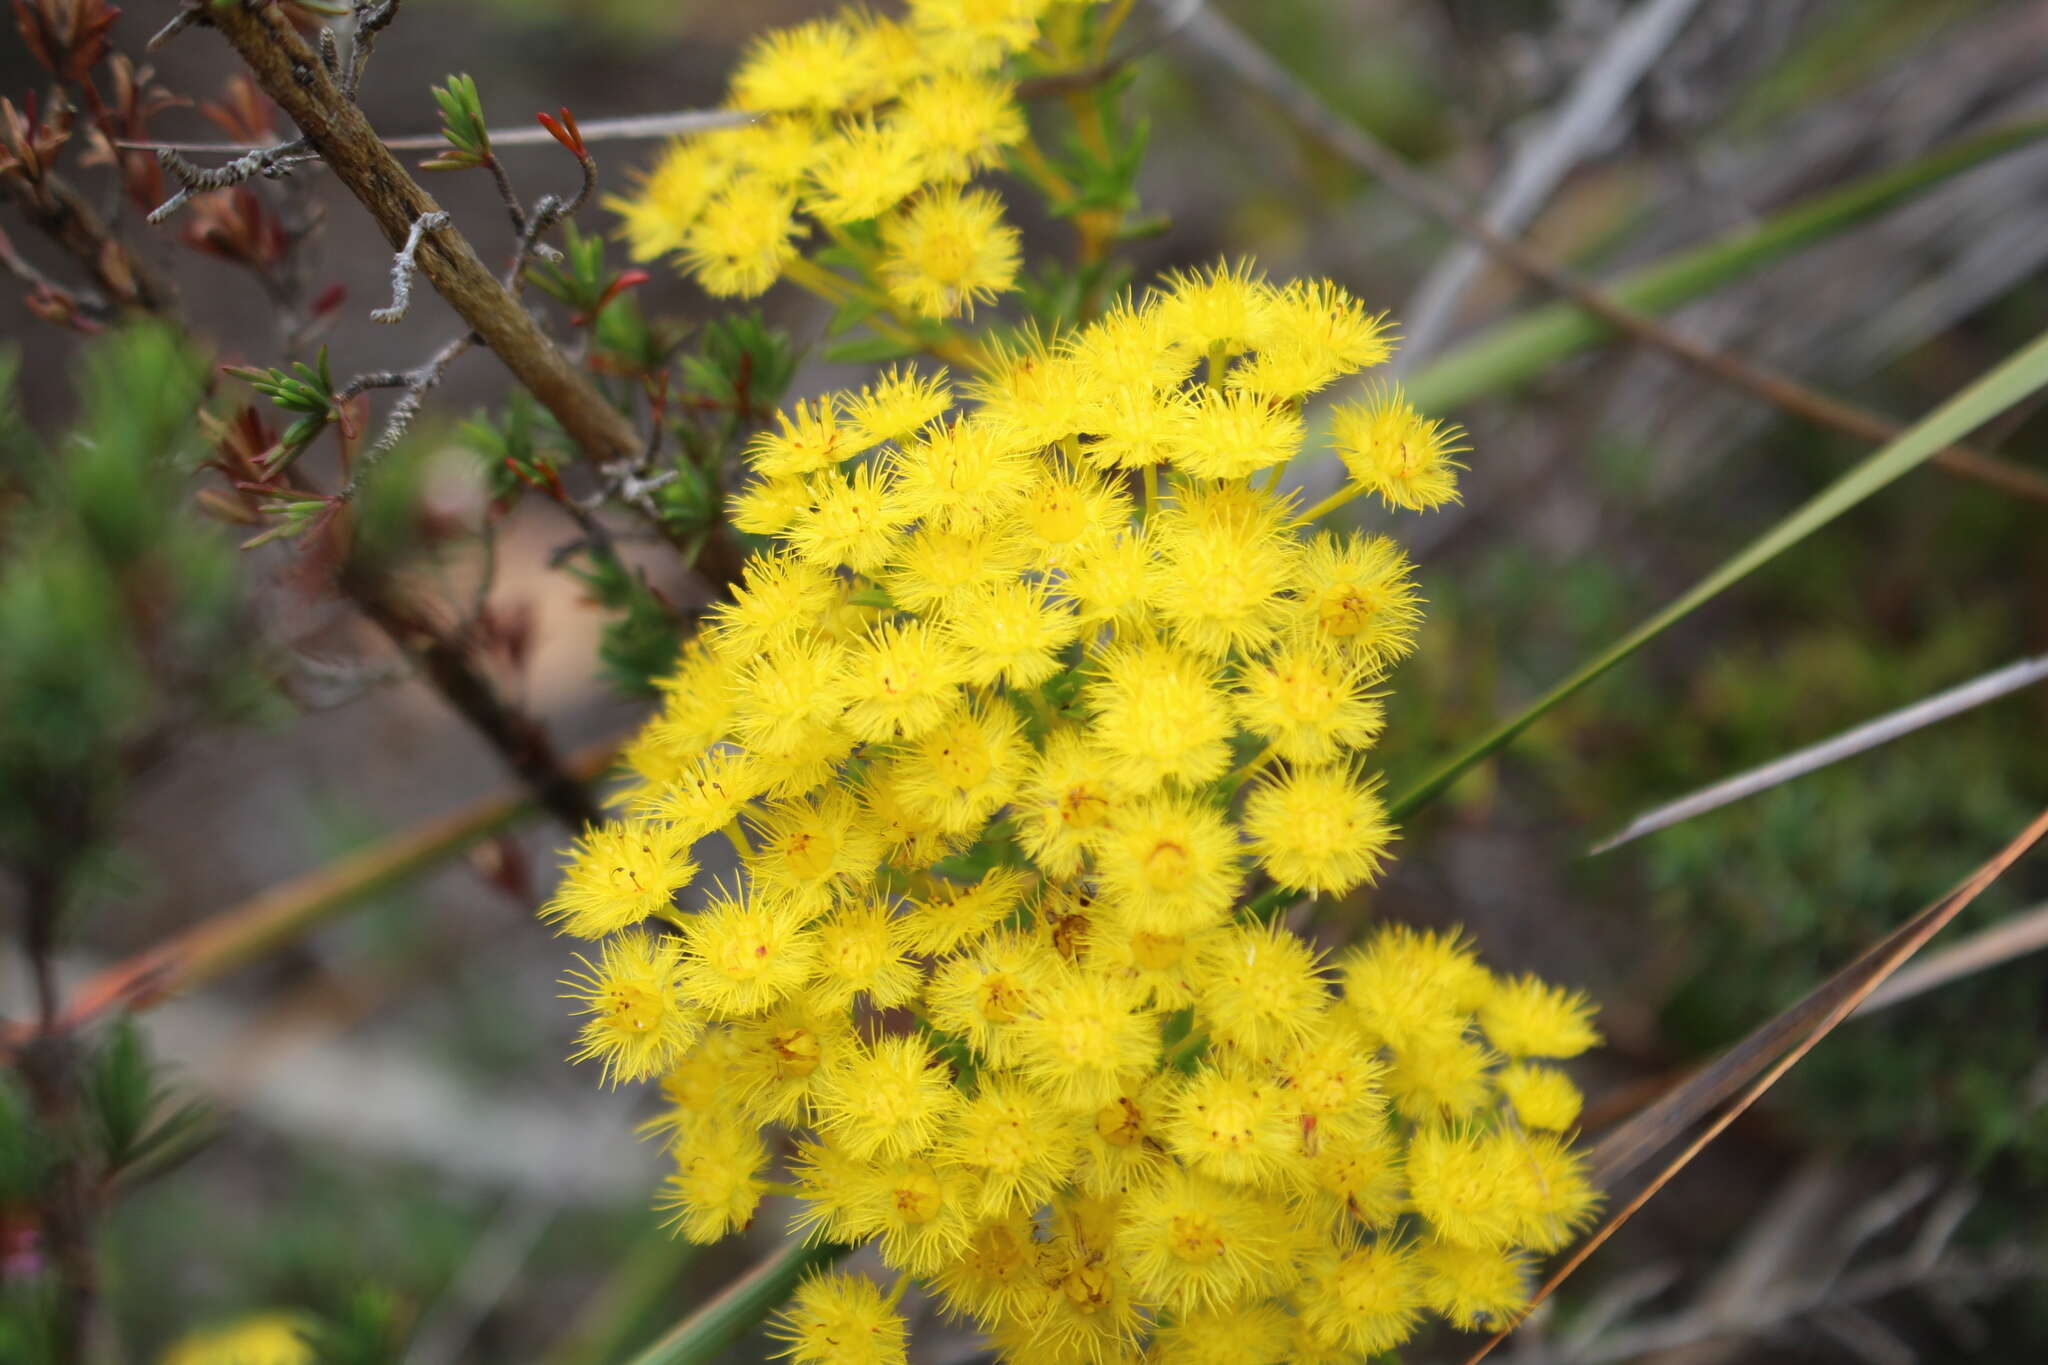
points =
(871, 350)
(2020, 375)
(1515, 351)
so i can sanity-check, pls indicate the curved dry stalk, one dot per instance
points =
(216, 946)
(1890, 726)
(1771, 1050)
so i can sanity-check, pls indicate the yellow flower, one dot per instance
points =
(619, 874)
(740, 243)
(840, 1320)
(739, 957)
(1159, 712)
(1310, 702)
(1086, 1035)
(1069, 797)
(1260, 988)
(716, 1184)
(957, 123)
(1230, 1123)
(1193, 1244)
(962, 476)
(1398, 453)
(889, 1097)
(900, 681)
(274, 1337)
(1319, 830)
(899, 403)
(1011, 632)
(952, 915)
(863, 172)
(946, 252)
(1169, 865)
(957, 773)
(640, 1019)
(1527, 1018)
(1367, 1301)
(1357, 597)
(1228, 435)
(815, 65)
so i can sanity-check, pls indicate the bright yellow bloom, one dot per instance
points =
(863, 172)
(957, 123)
(268, 1338)
(1231, 1124)
(1542, 1096)
(641, 1014)
(1527, 1018)
(840, 1320)
(1319, 830)
(898, 404)
(716, 1185)
(1169, 865)
(1194, 1244)
(948, 251)
(1395, 451)
(1260, 988)
(1310, 702)
(1011, 632)
(740, 243)
(739, 957)
(889, 1097)
(619, 874)
(1357, 597)
(1160, 713)
(900, 682)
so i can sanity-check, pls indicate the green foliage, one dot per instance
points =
(367, 1331)
(306, 390)
(741, 363)
(640, 642)
(121, 613)
(462, 125)
(133, 1114)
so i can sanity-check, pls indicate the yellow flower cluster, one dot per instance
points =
(862, 120)
(1028, 693)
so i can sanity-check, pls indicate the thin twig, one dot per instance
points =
(1220, 40)
(631, 128)
(1890, 726)
(402, 266)
(1543, 160)
(289, 72)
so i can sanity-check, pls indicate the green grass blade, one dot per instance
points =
(1515, 351)
(703, 1336)
(2013, 380)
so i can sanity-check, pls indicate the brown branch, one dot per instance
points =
(444, 656)
(67, 219)
(1220, 40)
(292, 74)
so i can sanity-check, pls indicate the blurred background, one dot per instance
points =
(391, 1131)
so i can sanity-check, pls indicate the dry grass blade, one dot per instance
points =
(1756, 1063)
(1890, 726)
(223, 942)
(1215, 36)
(2014, 937)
